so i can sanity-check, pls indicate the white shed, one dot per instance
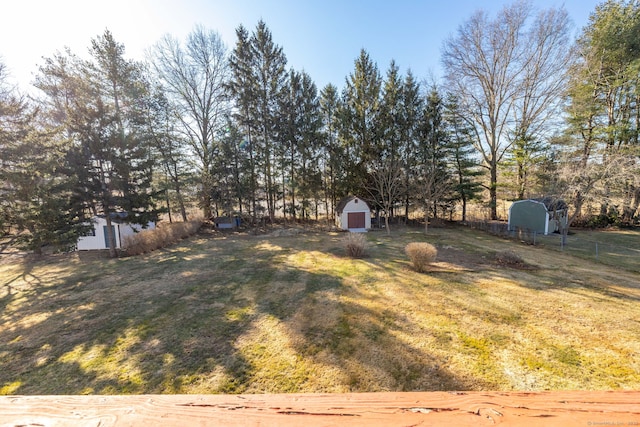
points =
(353, 214)
(97, 238)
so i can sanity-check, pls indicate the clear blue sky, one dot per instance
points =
(323, 37)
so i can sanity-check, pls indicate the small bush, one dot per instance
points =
(355, 244)
(421, 255)
(509, 258)
(160, 237)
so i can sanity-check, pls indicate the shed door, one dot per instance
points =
(106, 235)
(355, 220)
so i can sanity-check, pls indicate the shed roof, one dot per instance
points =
(344, 202)
(117, 217)
(552, 203)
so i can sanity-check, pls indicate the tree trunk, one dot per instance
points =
(178, 189)
(426, 221)
(386, 222)
(406, 207)
(464, 209)
(166, 193)
(493, 194)
(113, 253)
(183, 211)
(522, 181)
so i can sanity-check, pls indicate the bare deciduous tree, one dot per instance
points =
(507, 75)
(194, 76)
(386, 185)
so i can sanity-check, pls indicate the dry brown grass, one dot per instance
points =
(160, 237)
(421, 254)
(355, 244)
(233, 313)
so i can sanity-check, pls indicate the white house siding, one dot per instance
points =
(98, 241)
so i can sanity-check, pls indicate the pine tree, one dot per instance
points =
(258, 87)
(168, 147)
(332, 155)
(232, 171)
(243, 91)
(604, 114)
(433, 180)
(110, 154)
(269, 79)
(36, 196)
(464, 165)
(412, 110)
(310, 125)
(360, 126)
(391, 124)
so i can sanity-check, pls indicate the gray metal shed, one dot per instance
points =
(545, 215)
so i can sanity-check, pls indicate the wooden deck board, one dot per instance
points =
(575, 408)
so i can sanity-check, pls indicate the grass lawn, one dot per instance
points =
(233, 313)
(618, 248)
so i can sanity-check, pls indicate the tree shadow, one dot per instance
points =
(170, 321)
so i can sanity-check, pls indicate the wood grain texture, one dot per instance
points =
(576, 408)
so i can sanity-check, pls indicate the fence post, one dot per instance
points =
(596, 250)
(534, 238)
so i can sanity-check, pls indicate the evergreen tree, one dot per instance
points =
(39, 198)
(233, 172)
(520, 164)
(258, 86)
(310, 126)
(462, 162)
(109, 153)
(391, 120)
(161, 123)
(242, 88)
(269, 78)
(332, 158)
(36, 197)
(300, 132)
(604, 116)
(391, 126)
(433, 180)
(360, 131)
(412, 110)
(290, 137)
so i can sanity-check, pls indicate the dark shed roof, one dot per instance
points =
(552, 203)
(344, 202)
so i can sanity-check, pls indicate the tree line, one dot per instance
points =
(523, 110)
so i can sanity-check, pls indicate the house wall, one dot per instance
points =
(97, 241)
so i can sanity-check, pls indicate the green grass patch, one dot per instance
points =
(255, 314)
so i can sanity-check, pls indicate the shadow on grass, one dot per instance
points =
(174, 322)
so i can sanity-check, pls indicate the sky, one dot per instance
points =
(321, 37)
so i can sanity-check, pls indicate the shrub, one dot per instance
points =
(160, 237)
(421, 255)
(355, 244)
(509, 258)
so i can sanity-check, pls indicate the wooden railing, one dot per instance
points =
(571, 408)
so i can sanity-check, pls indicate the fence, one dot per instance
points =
(597, 246)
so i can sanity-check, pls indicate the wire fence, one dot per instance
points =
(595, 246)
